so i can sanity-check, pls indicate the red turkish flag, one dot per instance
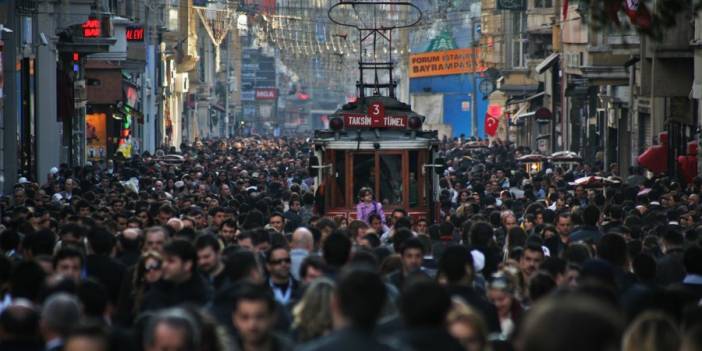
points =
(491, 124)
(638, 13)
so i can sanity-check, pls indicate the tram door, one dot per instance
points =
(394, 175)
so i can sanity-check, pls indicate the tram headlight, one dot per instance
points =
(415, 122)
(336, 123)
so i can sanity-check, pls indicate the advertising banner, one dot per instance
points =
(443, 63)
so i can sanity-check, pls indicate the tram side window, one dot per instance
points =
(340, 179)
(363, 173)
(391, 179)
(413, 179)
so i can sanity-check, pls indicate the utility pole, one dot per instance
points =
(474, 100)
(228, 85)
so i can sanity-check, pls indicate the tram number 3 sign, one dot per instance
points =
(375, 118)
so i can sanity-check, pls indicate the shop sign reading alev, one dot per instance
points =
(375, 118)
(135, 33)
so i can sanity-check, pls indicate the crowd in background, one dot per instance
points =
(224, 246)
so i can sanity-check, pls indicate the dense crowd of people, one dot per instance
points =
(224, 247)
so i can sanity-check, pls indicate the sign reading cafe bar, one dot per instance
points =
(443, 63)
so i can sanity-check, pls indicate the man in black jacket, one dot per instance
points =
(209, 260)
(180, 283)
(100, 265)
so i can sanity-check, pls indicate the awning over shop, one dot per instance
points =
(528, 98)
(605, 75)
(218, 107)
(516, 90)
(577, 90)
(547, 63)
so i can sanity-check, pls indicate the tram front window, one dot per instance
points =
(363, 173)
(391, 179)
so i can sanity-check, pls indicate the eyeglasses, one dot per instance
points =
(153, 267)
(280, 261)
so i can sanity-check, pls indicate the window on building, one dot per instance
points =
(540, 4)
(519, 40)
(173, 19)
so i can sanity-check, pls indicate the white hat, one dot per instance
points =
(478, 260)
(53, 170)
(179, 184)
(57, 197)
(23, 180)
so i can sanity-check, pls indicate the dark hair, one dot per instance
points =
(9, 240)
(229, 223)
(673, 237)
(365, 257)
(374, 216)
(693, 260)
(274, 248)
(403, 223)
(40, 243)
(644, 267)
(516, 237)
(454, 263)
(27, 280)
(577, 253)
(336, 249)
(540, 285)
(215, 210)
(310, 261)
(187, 233)
(411, 243)
(400, 237)
(101, 241)
(21, 323)
(208, 240)
(254, 292)
(71, 228)
(424, 303)
(612, 248)
(373, 240)
(583, 324)
(361, 294)
(590, 215)
(326, 222)
(533, 244)
(480, 234)
(94, 297)
(93, 331)
(239, 264)
(260, 236)
(553, 266)
(446, 229)
(182, 249)
(65, 253)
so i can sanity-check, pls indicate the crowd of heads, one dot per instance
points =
(225, 245)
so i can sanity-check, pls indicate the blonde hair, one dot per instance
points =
(312, 315)
(651, 331)
(461, 312)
